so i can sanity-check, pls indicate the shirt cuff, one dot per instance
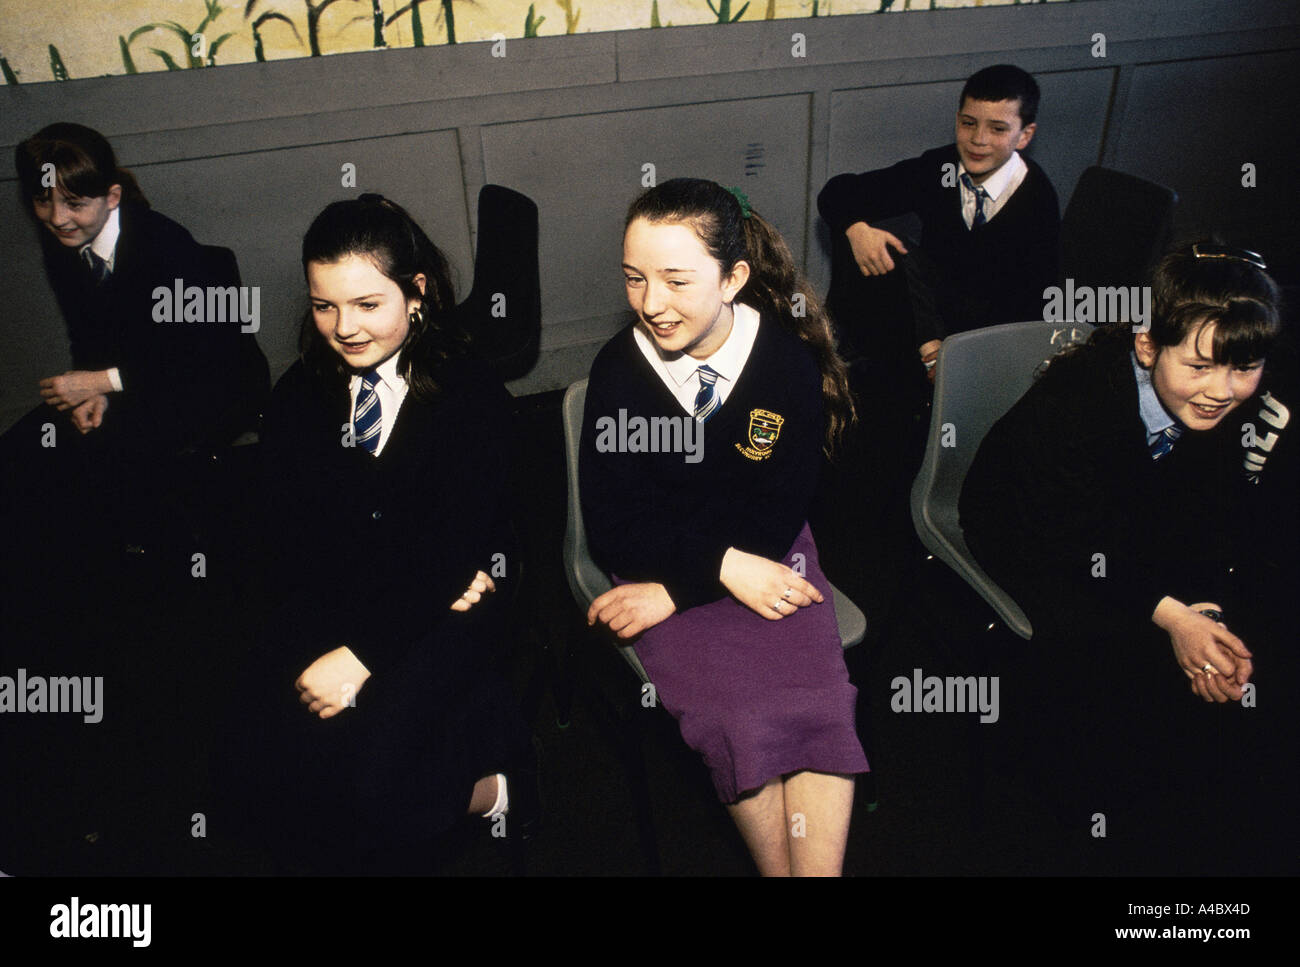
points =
(115, 378)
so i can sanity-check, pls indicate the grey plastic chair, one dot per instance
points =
(981, 374)
(588, 582)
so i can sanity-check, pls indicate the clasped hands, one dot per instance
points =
(331, 683)
(768, 588)
(1216, 661)
(83, 392)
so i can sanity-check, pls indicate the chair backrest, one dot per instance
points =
(586, 580)
(1115, 227)
(507, 334)
(251, 376)
(981, 374)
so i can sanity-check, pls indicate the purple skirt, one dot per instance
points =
(756, 698)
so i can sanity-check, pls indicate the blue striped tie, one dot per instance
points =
(98, 266)
(1165, 441)
(706, 400)
(980, 195)
(368, 421)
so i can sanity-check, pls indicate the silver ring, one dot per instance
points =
(786, 594)
(777, 607)
(1208, 669)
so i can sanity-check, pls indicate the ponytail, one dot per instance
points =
(777, 289)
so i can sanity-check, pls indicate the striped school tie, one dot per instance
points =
(706, 400)
(980, 195)
(98, 266)
(1165, 441)
(368, 421)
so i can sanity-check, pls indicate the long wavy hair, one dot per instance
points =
(732, 234)
(84, 165)
(374, 228)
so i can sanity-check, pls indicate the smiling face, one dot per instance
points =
(73, 219)
(1197, 391)
(677, 289)
(359, 311)
(988, 133)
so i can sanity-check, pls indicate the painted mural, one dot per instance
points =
(44, 42)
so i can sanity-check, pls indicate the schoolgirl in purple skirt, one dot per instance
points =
(702, 440)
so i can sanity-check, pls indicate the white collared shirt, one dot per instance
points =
(1155, 417)
(105, 243)
(680, 371)
(999, 186)
(105, 246)
(391, 390)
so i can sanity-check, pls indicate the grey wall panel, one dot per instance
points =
(584, 171)
(35, 343)
(1071, 124)
(1192, 125)
(874, 38)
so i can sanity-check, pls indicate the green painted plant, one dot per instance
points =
(189, 40)
(449, 13)
(56, 65)
(770, 13)
(314, 12)
(723, 11)
(124, 44)
(259, 51)
(8, 72)
(532, 21)
(417, 23)
(570, 18)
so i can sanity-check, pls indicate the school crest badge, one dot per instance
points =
(764, 428)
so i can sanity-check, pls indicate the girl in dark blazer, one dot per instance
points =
(716, 570)
(108, 487)
(386, 452)
(123, 447)
(1119, 502)
(161, 386)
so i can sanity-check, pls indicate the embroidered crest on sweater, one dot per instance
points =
(764, 428)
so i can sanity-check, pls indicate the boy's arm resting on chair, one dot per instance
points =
(850, 203)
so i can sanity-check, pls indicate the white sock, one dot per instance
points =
(502, 805)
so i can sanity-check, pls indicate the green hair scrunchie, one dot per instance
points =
(743, 199)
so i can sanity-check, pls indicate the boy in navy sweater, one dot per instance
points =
(990, 236)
